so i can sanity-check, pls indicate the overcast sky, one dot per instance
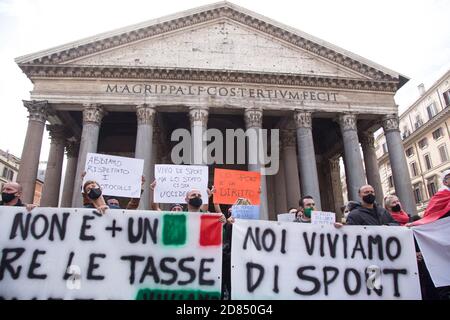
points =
(411, 37)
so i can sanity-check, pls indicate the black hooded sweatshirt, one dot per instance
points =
(377, 216)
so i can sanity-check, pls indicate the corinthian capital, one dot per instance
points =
(145, 114)
(72, 148)
(367, 139)
(57, 133)
(288, 138)
(303, 119)
(347, 122)
(38, 110)
(253, 118)
(93, 113)
(198, 116)
(390, 123)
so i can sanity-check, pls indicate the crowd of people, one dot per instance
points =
(366, 212)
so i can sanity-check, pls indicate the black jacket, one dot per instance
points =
(377, 216)
(18, 204)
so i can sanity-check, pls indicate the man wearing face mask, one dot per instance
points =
(307, 205)
(194, 203)
(194, 200)
(11, 193)
(369, 213)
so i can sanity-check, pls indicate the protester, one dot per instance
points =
(226, 247)
(349, 207)
(368, 213)
(196, 197)
(177, 207)
(114, 203)
(394, 207)
(11, 193)
(307, 205)
(92, 196)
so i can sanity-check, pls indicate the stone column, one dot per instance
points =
(199, 120)
(38, 112)
(280, 191)
(52, 182)
(400, 172)
(72, 149)
(307, 157)
(289, 154)
(271, 204)
(156, 150)
(371, 164)
(144, 141)
(253, 124)
(336, 185)
(352, 155)
(92, 118)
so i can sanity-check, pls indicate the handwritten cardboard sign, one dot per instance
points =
(245, 212)
(322, 217)
(233, 184)
(117, 176)
(286, 217)
(174, 181)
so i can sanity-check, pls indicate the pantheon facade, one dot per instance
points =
(219, 66)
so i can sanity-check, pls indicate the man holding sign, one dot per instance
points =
(307, 214)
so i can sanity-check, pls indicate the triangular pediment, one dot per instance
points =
(219, 45)
(219, 36)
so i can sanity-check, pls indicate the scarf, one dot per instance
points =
(401, 217)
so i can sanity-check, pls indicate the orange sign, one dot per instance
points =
(233, 184)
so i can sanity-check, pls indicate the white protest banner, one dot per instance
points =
(118, 176)
(245, 212)
(80, 254)
(272, 260)
(286, 217)
(323, 217)
(434, 243)
(174, 181)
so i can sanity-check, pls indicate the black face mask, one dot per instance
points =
(8, 197)
(95, 193)
(370, 198)
(196, 202)
(396, 208)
